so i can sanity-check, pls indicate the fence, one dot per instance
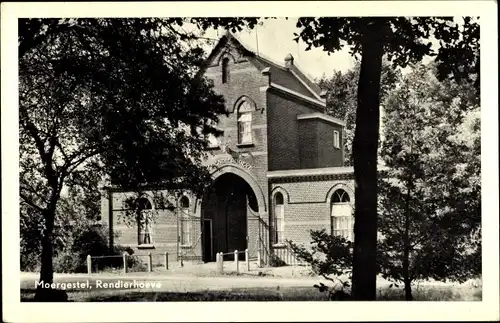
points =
(236, 260)
(284, 255)
(127, 262)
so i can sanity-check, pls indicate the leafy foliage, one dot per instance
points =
(114, 97)
(330, 256)
(430, 209)
(341, 98)
(405, 40)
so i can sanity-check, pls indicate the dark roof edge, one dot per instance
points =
(296, 72)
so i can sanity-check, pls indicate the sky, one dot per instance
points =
(275, 41)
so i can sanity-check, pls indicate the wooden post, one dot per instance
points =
(150, 262)
(166, 260)
(89, 264)
(217, 261)
(125, 263)
(247, 259)
(258, 258)
(236, 261)
(221, 262)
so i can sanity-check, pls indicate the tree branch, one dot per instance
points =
(28, 201)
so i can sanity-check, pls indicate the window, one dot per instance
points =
(144, 221)
(336, 139)
(185, 222)
(244, 115)
(342, 221)
(225, 70)
(279, 218)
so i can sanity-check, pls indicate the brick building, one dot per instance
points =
(278, 168)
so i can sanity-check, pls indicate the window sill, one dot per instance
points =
(279, 245)
(186, 246)
(145, 246)
(244, 145)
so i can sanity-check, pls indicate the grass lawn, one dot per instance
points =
(427, 293)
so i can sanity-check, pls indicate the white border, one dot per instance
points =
(487, 309)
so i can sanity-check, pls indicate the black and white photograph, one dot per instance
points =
(337, 158)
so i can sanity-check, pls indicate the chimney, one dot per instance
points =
(289, 60)
(323, 94)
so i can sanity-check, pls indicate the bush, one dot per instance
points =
(85, 239)
(31, 226)
(329, 256)
(276, 261)
(115, 260)
(90, 239)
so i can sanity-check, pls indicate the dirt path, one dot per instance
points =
(168, 283)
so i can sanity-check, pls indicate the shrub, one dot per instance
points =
(85, 238)
(276, 261)
(331, 257)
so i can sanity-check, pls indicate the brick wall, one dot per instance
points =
(308, 145)
(283, 132)
(165, 228)
(279, 143)
(328, 155)
(307, 205)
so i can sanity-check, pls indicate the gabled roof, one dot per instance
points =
(288, 76)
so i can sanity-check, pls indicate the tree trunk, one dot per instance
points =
(365, 148)
(408, 295)
(406, 260)
(45, 292)
(47, 270)
(406, 245)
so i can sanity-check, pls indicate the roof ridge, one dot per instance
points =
(259, 55)
(302, 77)
(294, 70)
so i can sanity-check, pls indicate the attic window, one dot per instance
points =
(225, 70)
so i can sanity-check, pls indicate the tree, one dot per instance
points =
(403, 40)
(342, 89)
(78, 209)
(114, 97)
(430, 208)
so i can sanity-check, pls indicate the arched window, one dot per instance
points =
(225, 70)
(184, 202)
(144, 221)
(279, 218)
(342, 221)
(185, 221)
(244, 114)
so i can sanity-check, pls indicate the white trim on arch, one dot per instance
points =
(349, 190)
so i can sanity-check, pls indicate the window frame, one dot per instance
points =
(185, 223)
(145, 222)
(278, 218)
(335, 223)
(243, 125)
(225, 70)
(336, 139)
